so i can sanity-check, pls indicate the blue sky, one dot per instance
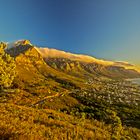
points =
(108, 29)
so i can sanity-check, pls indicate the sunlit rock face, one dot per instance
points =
(18, 47)
(23, 42)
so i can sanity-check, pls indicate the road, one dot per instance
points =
(48, 97)
(53, 96)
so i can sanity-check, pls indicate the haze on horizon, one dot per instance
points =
(101, 28)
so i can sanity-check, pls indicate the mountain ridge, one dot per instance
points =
(52, 52)
(77, 64)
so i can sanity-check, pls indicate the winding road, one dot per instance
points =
(53, 96)
(48, 97)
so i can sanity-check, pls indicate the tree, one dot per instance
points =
(7, 68)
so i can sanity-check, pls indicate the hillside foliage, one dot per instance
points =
(58, 99)
(7, 68)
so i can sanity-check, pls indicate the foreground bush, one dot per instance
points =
(7, 68)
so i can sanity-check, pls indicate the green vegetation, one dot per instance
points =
(58, 99)
(7, 68)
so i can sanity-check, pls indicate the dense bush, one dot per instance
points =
(7, 68)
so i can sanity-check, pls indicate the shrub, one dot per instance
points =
(7, 68)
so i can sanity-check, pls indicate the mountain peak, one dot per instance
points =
(18, 47)
(23, 42)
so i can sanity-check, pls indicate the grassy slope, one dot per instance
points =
(18, 120)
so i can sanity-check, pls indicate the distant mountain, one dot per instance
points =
(65, 60)
(53, 53)
(77, 65)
